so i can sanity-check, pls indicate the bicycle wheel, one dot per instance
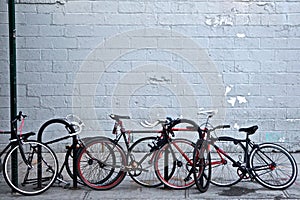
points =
(29, 181)
(69, 163)
(202, 166)
(101, 164)
(224, 172)
(273, 166)
(173, 164)
(141, 162)
(69, 155)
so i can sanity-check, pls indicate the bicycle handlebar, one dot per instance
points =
(168, 121)
(147, 124)
(219, 127)
(76, 122)
(19, 117)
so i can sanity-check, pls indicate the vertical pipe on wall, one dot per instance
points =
(13, 81)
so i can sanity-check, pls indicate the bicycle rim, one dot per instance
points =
(27, 177)
(224, 173)
(141, 162)
(101, 163)
(273, 166)
(173, 164)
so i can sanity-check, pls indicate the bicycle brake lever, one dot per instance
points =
(172, 133)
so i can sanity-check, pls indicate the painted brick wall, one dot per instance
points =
(151, 59)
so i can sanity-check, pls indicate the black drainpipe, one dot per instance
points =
(13, 81)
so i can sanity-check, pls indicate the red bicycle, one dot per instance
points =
(150, 161)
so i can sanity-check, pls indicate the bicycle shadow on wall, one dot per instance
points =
(164, 73)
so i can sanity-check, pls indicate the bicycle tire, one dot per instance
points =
(181, 154)
(28, 177)
(69, 156)
(202, 166)
(141, 160)
(276, 161)
(69, 163)
(224, 173)
(101, 164)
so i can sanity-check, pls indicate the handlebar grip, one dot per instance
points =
(174, 123)
(226, 126)
(19, 116)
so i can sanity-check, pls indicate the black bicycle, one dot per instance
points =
(233, 160)
(29, 167)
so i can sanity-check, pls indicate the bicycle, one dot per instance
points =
(202, 168)
(103, 163)
(23, 160)
(269, 164)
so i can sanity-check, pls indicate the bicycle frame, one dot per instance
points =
(165, 137)
(123, 134)
(247, 152)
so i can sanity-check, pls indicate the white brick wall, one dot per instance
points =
(150, 59)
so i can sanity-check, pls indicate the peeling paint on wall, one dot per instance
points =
(228, 89)
(240, 35)
(268, 6)
(236, 126)
(240, 99)
(156, 80)
(219, 20)
(232, 101)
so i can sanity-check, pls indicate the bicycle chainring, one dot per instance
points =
(135, 169)
(242, 173)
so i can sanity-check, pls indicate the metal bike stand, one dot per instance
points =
(74, 146)
(70, 129)
(166, 169)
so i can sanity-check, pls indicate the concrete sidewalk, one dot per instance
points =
(130, 190)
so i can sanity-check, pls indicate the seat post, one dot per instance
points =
(247, 147)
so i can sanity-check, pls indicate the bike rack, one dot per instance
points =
(70, 129)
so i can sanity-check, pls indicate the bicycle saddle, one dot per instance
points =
(250, 130)
(117, 117)
(208, 113)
